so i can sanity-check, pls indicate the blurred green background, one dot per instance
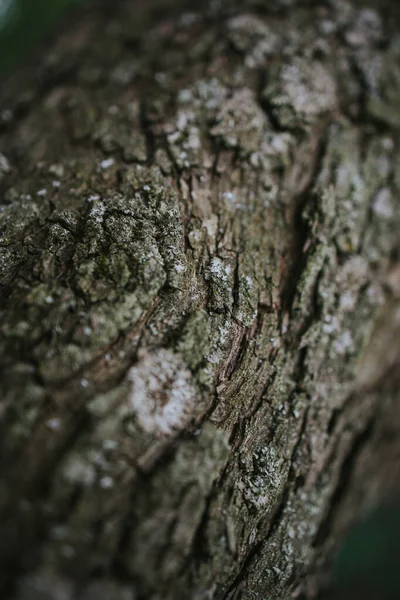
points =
(23, 23)
(368, 565)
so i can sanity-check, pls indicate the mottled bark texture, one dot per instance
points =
(200, 299)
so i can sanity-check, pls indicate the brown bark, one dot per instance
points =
(200, 299)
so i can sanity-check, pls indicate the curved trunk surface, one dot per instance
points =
(200, 301)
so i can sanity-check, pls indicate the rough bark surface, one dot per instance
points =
(200, 301)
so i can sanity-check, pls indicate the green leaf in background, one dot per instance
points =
(368, 564)
(23, 23)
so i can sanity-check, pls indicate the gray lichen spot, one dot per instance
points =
(264, 477)
(220, 273)
(253, 37)
(382, 204)
(163, 397)
(301, 91)
(4, 166)
(184, 139)
(208, 94)
(240, 122)
(365, 30)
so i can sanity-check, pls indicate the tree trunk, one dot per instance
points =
(200, 299)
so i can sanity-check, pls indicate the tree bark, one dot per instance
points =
(200, 299)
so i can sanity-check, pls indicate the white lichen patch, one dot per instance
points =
(4, 166)
(219, 270)
(301, 91)
(163, 396)
(365, 29)
(179, 267)
(97, 212)
(382, 204)
(309, 95)
(106, 482)
(184, 138)
(253, 37)
(106, 163)
(344, 343)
